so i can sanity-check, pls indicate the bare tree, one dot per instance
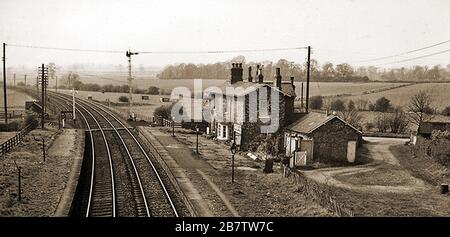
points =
(419, 107)
(398, 121)
(352, 117)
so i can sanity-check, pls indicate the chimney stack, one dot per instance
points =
(292, 80)
(260, 75)
(236, 72)
(250, 78)
(277, 81)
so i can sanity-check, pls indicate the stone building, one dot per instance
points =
(317, 137)
(426, 128)
(247, 106)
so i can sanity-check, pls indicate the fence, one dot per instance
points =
(168, 123)
(320, 193)
(14, 141)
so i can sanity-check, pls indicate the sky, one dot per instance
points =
(337, 30)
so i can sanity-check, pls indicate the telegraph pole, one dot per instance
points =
(14, 80)
(4, 85)
(130, 78)
(56, 88)
(44, 74)
(307, 78)
(301, 97)
(25, 77)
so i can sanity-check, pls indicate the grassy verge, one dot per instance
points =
(422, 167)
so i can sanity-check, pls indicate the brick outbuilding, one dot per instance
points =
(322, 138)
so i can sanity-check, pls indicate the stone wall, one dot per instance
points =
(330, 141)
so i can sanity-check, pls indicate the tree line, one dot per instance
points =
(72, 80)
(394, 119)
(327, 72)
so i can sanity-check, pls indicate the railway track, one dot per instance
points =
(124, 181)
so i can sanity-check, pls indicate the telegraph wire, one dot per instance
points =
(221, 51)
(156, 52)
(66, 49)
(415, 58)
(401, 54)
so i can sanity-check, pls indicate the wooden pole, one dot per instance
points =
(4, 85)
(307, 78)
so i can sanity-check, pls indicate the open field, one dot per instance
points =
(344, 88)
(15, 98)
(143, 111)
(401, 96)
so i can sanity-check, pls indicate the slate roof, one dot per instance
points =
(307, 123)
(286, 88)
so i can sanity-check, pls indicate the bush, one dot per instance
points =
(337, 105)
(382, 123)
(398, 121)
(382, 105)
(163, 111)
(138, 91)
(153, 90)
(123, 98)
(369, 126)
(351, 105)
(446, 111)
(30, 119)
(316, 102)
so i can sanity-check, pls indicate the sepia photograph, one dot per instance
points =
(249, 111)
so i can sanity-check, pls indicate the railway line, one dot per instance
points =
(120, 177)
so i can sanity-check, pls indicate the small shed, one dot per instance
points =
(426, 128)
(322, 138)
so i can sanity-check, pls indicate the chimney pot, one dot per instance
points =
(260, 74)
(277, 81)
(236, 73)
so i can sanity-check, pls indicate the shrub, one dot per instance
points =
(153, 90)
(352, 117)
(446, 111)
(123, 98)
(398, 121)
(138, 91)
(382, 123)
(369, 126)
(382, 104)
(337, 105)
(163, 111)
(316, 102)
(30, 119)
(351, 105)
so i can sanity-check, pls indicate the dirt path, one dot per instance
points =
(252, 194)
(379, 148)
(384, 163)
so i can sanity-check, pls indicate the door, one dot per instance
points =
(351, 151)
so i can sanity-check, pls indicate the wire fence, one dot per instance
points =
(14, 141)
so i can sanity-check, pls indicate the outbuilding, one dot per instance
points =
(316, 137)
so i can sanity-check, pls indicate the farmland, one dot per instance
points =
(440, 93)
(15, 98)
(398, 93)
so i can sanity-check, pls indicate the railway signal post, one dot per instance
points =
(130, 78)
